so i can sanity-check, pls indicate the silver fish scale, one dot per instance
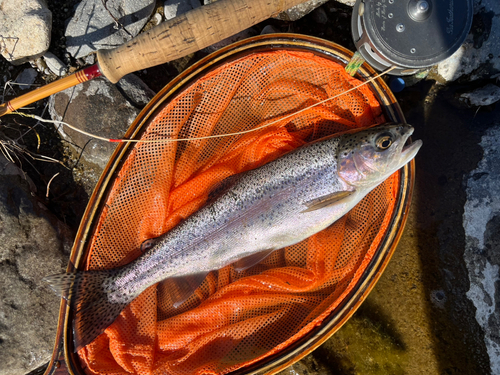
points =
(261, 211)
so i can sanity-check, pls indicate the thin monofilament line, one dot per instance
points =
(122, 140)
(57, 122)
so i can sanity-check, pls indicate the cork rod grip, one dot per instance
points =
(186, 34)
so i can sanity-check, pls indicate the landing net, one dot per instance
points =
(234, 319)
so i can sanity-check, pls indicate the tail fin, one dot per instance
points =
(88, 294)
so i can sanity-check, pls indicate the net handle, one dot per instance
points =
(187, 33)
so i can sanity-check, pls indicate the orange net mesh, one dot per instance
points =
(233, 319)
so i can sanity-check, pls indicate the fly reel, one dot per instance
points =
(409, 34)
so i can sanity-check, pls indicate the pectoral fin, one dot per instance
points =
(251, 260)
(327, 200)
(181, 288)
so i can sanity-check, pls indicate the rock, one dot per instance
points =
(25, 27)
(269, 29)
(94, 27)
(135, 90)
(99, 108)
(486, 95)
(26, 78)
(39, 64)
(90, 59)
(300, 10)
(34, 245)
(347, 2)
(174, 8)
(319, 16)
(55, 65)
(479, 56)
(481, 221)
(157, 18)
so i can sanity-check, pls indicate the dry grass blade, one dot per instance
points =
(10, 147)
(48, 185)
(4, 149)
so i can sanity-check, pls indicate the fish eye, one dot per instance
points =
(384, 141)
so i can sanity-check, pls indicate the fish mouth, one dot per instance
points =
(409, 151)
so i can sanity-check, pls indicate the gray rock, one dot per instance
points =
(25, 27)
(94, 27)
(96, 107)
(135, 90)
(269, 29)
(479, 56)
(319, 16)
(90, 59)
(157, 18)
(481, 221)
(300, 10)
(39, 64)
(347, 2)
(26, 78)
(33, 245)
(55, 65)
(486, 95)
(174, 8)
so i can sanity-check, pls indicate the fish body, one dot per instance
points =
(261, 210)
(255, 213)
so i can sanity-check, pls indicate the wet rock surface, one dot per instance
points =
(435, 309)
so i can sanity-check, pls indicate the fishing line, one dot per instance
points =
(122, 140)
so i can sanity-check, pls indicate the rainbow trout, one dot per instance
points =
(255, 213)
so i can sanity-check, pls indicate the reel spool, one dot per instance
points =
(409, 34)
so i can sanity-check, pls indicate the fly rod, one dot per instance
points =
(170, 40)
